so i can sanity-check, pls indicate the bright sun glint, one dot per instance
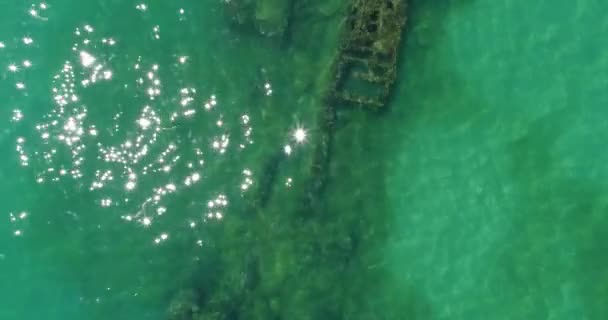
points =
(144, 123)
(146, 221)
(86, 59)
(300, 135)
(130, 185)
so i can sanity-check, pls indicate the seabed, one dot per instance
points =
(363, 74)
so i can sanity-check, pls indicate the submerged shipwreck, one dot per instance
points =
(365, 66)
(363, 73)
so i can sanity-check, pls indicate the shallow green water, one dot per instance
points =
(138, 141)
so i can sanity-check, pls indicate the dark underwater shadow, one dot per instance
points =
(531, 264)
(424, 30)
(424, 86)
(557, 229)
(364, 144)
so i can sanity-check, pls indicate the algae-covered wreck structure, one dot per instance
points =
(367, 62)
(364, 72)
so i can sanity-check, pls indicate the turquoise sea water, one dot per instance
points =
(154, 147)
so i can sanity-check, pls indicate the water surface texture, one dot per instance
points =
(155, 148)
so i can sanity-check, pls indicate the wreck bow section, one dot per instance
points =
(366, 66)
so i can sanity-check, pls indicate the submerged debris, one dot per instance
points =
(366, 66)
(184, 306)
(267, 17)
